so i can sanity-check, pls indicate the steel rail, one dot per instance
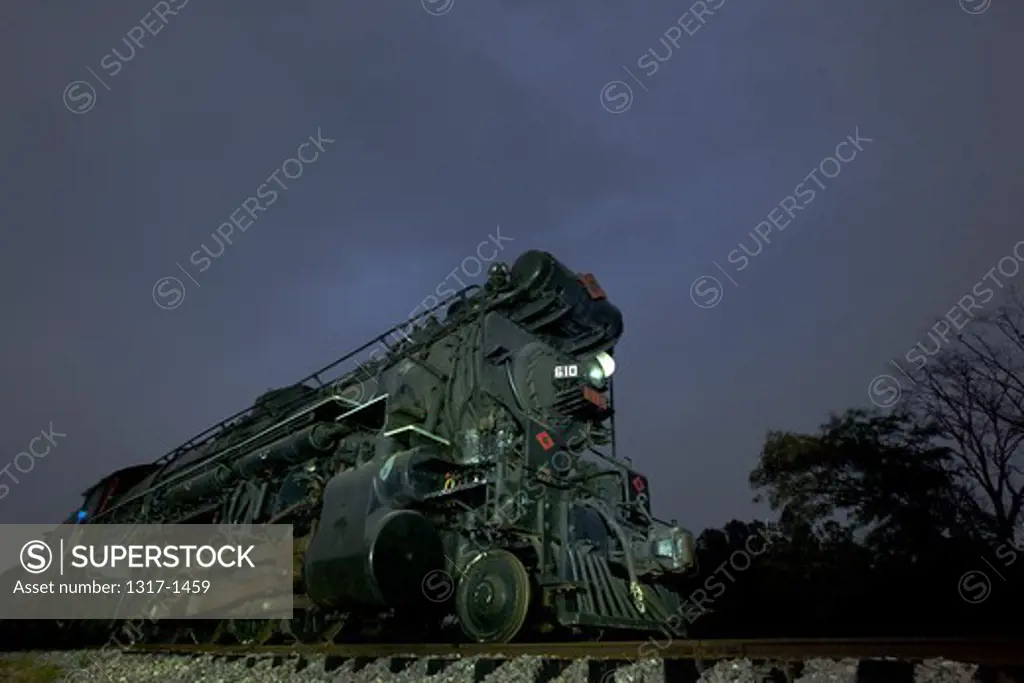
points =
(988, 651)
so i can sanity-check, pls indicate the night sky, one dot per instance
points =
(440, 122)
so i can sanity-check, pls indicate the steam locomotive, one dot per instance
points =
(475, 447)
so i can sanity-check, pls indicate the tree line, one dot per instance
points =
(896, 521)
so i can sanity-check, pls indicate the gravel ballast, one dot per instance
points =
(117, 667)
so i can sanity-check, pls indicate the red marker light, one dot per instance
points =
(589, 283)
(545, 441)
(596, 397)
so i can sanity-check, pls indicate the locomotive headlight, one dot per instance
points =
(672, 547)
(600, 369)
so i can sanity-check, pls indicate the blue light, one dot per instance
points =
(82, 514)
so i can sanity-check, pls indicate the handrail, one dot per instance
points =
(205, 436)
(461, 294)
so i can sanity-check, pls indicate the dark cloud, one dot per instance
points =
(447, 126)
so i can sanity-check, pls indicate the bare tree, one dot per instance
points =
(972, 393)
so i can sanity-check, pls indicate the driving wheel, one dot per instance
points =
(493, 597)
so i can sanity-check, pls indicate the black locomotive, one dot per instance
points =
(478, 449)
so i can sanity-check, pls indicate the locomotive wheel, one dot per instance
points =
(493, 597)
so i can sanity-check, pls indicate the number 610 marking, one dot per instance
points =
(564, 371)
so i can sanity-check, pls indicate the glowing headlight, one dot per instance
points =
(600, 369)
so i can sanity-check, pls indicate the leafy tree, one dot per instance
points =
(875, 479)
(871, 505)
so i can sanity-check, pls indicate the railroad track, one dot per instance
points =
(780, 659)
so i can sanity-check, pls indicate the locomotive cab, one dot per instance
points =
(109, 491)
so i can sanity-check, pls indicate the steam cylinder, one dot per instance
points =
(366, 553)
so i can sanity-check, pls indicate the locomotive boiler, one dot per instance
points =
(467, 472)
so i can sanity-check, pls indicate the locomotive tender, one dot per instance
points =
(478, 450)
